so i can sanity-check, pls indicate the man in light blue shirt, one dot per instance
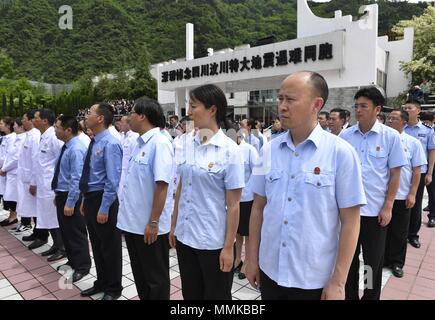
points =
(65, 184)
(147, 202)
(425, 135)
(381, 155)
(305, 217)
(99, 185)
(247, 126)
(395, 249)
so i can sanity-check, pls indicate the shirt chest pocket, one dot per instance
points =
(379, 158)
(275, 183)
(142, 160)
(319, 181)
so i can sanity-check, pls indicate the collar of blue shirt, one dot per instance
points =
(143, 139)
(101, 135)
(377, 127)
(419, 125)
(315, 137)
(218, 139)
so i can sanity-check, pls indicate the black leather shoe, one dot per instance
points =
(431, 223)
(77, 276)
(90, 292)
(57, 256)
(67, 264)
(426, 208)
(37, 243)
(49, 252)
(110, 296)
(241, 276)
(415, 243)
(397, 271)
(6, 222)
(29, 237)
(238, 268)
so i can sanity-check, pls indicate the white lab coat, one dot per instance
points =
(10, 166)
(129, 142)
(6, 142)
(26, 206)
(49, 151)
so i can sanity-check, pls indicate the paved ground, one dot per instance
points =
(25, 275)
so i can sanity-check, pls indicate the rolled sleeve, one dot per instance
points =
(235, 172)
(113, 166)
(349, 189)
(163, 163)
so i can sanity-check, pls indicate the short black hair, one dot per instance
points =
(373, 94)
(47, 114)
(68, 122)
(30, 114)
(325, 113)
(404, 115)
(341, 113)
(251, 123)
(152, 110)
(9, 121)
(19, 122)
(319, 84)
(427, 115)
(211, 95)
(106, 110)
(414, 102)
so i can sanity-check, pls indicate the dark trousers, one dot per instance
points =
(57, 239)
(270, 290)
(150, 266)
(74, 234)
(371, 239)
(106, 244)
(26, 221)
(41, 234)
(415, 218)
(201, 277)
(395, 247)
(431, 193)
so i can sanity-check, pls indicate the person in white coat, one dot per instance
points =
(10, 168)
(49, 151)
(7, 127)
(128, 142)
(26, 201)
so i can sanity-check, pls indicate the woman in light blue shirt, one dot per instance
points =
(206, 210)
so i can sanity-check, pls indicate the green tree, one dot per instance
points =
(6, 66)
(423, 64)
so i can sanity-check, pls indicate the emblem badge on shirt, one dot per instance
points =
(378, 148)
(316, 170)
(143, 154)
(98, 152)
(210, 165)
(422, 135)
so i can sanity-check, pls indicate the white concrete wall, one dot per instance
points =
(401, 50)
(360, 43)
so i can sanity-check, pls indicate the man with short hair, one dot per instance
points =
(148, 186)
(381, 154)
(337, 117)
(425, 135)
(65, 184)
(305, 217)
(128, 142)
(323, 119)
(26, 204)
(49, 150)
(99, 185)
(247, 125)
(397, 235)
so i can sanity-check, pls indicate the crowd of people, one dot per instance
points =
(302, 203)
